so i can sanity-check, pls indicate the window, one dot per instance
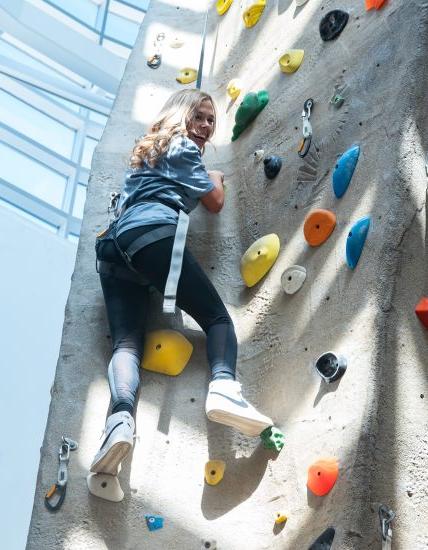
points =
(31, 176)
(122, 29)
(79, 201)
(19, 116)
(88, 151)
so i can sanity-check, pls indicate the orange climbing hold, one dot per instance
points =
(322, 475)
(421, 311)
(319, 225)
(374, 4)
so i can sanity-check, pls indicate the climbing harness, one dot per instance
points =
(386, 517)
(155, 60)
(55, 496)
(305, 144)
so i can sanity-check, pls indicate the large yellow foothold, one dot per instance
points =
(166, 351)
(291, 60)
(214, 471)
(259, 258)
(222, 6)
(253, 13)
(187, 75)
(234, 88)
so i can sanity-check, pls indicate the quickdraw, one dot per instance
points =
(155, 60)
(55, 496)
(386, 517)
(305, 144)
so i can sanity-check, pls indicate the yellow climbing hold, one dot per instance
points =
(291, 60)
(252, 14)
(222, 6)
(166, 351)
(234, 88)
(280, 518)
(259, 258)
(214, 471)
(187, 75)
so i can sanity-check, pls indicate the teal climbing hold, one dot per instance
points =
(252, 104)
(154, 522)
(344, 170)
(272, 438)
(355, 241)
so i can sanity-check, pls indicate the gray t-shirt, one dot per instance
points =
(179, 178)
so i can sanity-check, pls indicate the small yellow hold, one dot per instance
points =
(234, 88)
(253, 13)
(291, 60)
(259, 258)
(280, 518)
(166, 351)
(222, 6)
(187, 75)
(214, 471)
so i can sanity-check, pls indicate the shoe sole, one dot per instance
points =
(109, 463)
(248, 427)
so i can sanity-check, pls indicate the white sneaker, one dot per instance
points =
(119, 438)
(226, 405)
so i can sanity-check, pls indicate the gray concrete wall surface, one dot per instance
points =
(375, 419)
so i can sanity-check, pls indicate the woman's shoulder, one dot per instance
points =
(182, 144)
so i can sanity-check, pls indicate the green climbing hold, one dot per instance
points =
(272, 438)
(252, 104)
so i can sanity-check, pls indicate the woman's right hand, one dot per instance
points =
(216, 176)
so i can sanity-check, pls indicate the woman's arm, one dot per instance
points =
(214, 200)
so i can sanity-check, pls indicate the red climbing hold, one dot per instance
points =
(421, 311)
(374, 4)
(322, 476)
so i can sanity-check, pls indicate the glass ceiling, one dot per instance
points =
(53, 104)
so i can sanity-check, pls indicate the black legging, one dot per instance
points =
(127, 304)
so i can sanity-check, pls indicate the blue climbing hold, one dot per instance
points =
(355, 241)
(344, 170)
(154, 522)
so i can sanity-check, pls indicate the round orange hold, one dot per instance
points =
(319, 225)
(322, 475)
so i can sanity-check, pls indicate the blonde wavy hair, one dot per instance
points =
(173, 120)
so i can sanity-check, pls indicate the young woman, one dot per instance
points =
(166, 176)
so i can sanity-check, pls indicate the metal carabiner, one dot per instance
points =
(154, 61)
(305, 144)
(386, 517)
(55, 495)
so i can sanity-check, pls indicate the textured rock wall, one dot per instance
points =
(375, 420)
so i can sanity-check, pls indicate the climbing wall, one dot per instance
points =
(374, 419)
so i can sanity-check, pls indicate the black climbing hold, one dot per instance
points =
(330, 366)
(332, 24)
(324, 541)
(273, 165)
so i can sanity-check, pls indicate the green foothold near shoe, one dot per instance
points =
(252, 104)
(273, 439)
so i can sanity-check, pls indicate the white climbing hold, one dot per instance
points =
(259, 154)
(176, 43)
(105, 486)
(293, 278)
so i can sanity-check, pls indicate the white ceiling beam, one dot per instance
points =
(63, 44)
(55, 86)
